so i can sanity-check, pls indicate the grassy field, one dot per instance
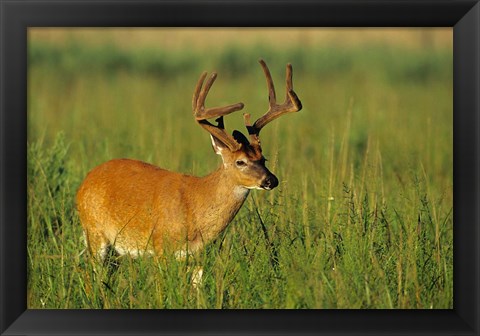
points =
(363, 215)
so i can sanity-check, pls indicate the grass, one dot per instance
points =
(363, 215)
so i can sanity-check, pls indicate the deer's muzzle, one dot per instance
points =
(269, 182)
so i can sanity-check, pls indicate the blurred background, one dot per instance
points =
(395, 83)
(366, 167)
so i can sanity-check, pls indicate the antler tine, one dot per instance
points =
(291, 104)
(250, 129)
(196, 92)
(272, 99)
(201, 113)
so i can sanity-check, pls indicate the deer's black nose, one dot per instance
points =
(270, 182)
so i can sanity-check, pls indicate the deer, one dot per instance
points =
(138, 208)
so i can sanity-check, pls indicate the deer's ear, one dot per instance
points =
(240, 138)
(218, 146)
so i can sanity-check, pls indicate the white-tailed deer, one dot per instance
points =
(136, 207)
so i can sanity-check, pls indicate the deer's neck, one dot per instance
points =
(222, 200)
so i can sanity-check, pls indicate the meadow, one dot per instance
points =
(363, 215)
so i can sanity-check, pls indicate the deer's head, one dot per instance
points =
(242, 157)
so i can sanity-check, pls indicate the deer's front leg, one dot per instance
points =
(188, 250)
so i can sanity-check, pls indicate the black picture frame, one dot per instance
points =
(17, 15)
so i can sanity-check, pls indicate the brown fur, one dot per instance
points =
(137, 207)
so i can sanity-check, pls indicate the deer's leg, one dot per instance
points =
(97, 244)
(197, 276)
(190, 249)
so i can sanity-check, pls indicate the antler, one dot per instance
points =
(291, 103)
(201, 113)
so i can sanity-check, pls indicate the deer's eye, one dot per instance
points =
(240, 163)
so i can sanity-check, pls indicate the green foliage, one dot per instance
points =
(418, 65)
(49, 187)
(363, 216)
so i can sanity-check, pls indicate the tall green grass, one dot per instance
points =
(363, 215)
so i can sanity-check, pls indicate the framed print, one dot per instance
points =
(355, 213)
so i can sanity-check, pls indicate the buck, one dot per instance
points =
(138, 208)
